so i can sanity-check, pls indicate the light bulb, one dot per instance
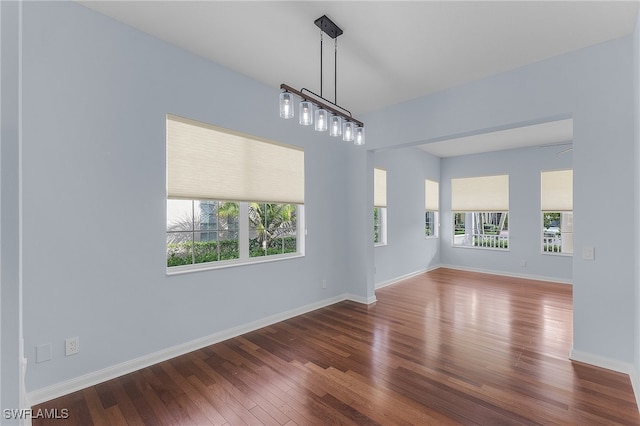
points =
(286, 105)
(347, 131)
(306, 113)
(359, 139)
(335, 126)
(321, 119)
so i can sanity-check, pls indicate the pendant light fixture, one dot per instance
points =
(328, 115)
(335, 126)
(306, 113)
(322, 120)
(348, 131)
(286, 105)
(359, 137)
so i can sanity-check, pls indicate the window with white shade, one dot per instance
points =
(231, 198)
(431, 207)
(379, 207)
(480, 207)
(556, 203)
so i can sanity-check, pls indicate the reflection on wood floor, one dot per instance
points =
(443, 347)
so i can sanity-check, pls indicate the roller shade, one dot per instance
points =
(205, 162)
(556, 191)
(431, 195)
(487, 194)
(379, 188)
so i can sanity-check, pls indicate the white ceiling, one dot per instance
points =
(390, 52)
(558, 133)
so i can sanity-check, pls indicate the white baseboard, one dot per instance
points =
(405, 276)
(359, 299)
(633, 376)
(602, 362)
(24, 398)
(510, 274)
(91, 379)
(609, 364)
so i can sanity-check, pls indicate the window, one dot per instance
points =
(480, 207)
(481, 229)
(272, 229)
(379, 207)
(431, 206)
(556, 203)
(200, 231)
(231, 198)
(379, 225)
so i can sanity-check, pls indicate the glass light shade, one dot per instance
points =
(335, 126)
(306, 113)
(359, 139)
(287, 107)
(348, 130)
(322, 120)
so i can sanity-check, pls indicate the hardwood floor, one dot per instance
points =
(444, 347)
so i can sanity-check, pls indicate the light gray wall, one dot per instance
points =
(525, 224)
(636, 215)
(10, 286)
(407, 250)
(95, 97)
(594, 86)
(359, 229)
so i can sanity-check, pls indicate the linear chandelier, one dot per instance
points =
(312, 108)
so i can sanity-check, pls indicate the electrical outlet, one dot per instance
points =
(324, 283)
(71, 346)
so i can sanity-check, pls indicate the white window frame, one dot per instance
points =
(435, 232)
(556, 197)
(565, 235)
(432, 206)
(490, 241)
(381, 226)
(479, 196)
(205, 162)
(243, 246)
(380, 205)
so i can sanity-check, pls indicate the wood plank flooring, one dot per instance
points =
(444, 347)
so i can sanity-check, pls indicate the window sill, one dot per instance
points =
(550, 253)
(481, 248)
(199, 267)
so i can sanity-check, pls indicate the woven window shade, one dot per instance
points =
(556, 191)
(205, 162)
(431, 195)
(379, 188)
(485, 194)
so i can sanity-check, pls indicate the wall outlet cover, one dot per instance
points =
(71, 346)
(588, 253)
(43, 353)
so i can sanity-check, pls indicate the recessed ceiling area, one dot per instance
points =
(543, 134)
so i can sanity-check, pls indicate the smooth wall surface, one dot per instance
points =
(11, 388)
(636, 215)
(525, 222)
(407, 250)
(594, 86)
(95, 97)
